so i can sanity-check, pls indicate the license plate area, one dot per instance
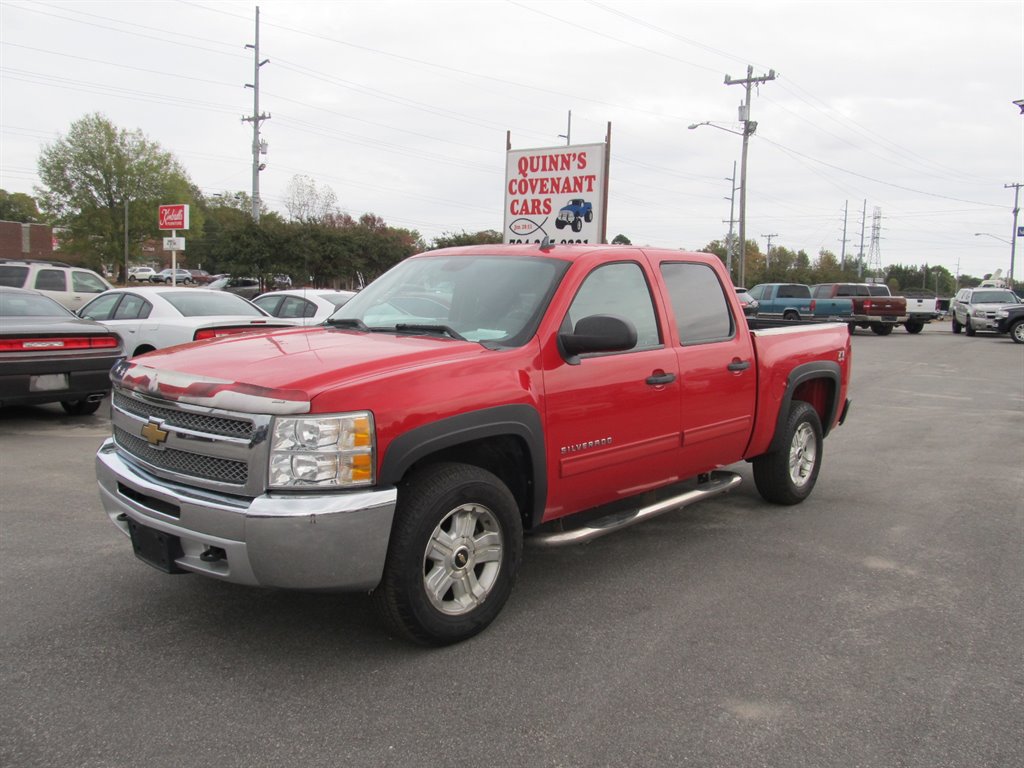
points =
(155, 548)
(48, 382)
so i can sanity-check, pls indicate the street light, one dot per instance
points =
(749, 126)
(987, 234)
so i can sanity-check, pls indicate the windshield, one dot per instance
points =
(994, 297)
(492, 299)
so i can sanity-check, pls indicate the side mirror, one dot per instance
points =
(597, 333)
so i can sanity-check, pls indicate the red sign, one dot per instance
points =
(173, 217)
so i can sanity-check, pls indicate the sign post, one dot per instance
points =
(173, 217)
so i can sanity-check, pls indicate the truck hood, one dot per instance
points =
(280, 372)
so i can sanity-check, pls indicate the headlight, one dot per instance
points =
(978, 312)
(1002, 313)
(323, 451)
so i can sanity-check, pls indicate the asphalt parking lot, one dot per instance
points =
(879, 624)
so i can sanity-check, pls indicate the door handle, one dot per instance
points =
(739, 365)
(657, 379)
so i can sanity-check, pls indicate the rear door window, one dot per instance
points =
(698, 302)
(51, 280)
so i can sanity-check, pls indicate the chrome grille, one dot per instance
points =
(183, 462)
(197, 422)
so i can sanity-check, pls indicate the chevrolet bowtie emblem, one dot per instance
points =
(153, 434)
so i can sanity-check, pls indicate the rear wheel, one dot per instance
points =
(80, 407)
(913, 327)
(788, 475)
(882, 330)
(956, 325)
(789, 314)
(1017, 331)
(456, 545)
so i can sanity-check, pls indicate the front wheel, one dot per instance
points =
(1017, 331)
(577, 224)
(456, 545)
(968, 328)
(788, 474)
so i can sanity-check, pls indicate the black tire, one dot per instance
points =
(80, 407)
(968, 328)
(881, 330)
(790, 314)
(914, 327)
(455, 550)
(1017, 331)
(589, 216)
(132, 278)
(852, 327)
(577, 224)
(559, 224)
(787, 476)
(956, 325)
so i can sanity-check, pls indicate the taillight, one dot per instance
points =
(58, 342)
(867, 304)
(213, 333)
(813, 305)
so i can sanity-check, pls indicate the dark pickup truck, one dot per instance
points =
(880, 313)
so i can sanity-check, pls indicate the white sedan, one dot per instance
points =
(303, 306)
(154, 318)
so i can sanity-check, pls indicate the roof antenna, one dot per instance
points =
(547, 243)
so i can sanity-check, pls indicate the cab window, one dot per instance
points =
(618, 289)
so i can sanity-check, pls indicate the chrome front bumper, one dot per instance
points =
(326, 541)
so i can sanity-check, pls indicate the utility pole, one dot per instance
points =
(768, 251)
(749, 126)
(729, 240)
(860, 253)
(568, 132)
(1013, 235)
(842, 256)
(258, 147)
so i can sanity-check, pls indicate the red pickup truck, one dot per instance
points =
(468, 397)
(873, 306)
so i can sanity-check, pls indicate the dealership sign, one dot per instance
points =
(557, 192)
(173, 216)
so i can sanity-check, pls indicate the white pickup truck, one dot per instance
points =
(922, 308)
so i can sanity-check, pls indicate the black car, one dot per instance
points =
(1010, 319)
(49, 355)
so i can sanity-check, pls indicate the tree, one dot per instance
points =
(17, 206)
(483, 237)
(307, 203)
(621, 240)
(99, 175)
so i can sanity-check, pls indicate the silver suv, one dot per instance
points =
(974, 309)
(71, 286)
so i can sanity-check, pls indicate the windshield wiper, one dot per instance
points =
(347, 322)
(444, 330)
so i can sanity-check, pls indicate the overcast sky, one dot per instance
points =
(402, 108)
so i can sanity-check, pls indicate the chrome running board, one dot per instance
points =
(720, 482)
